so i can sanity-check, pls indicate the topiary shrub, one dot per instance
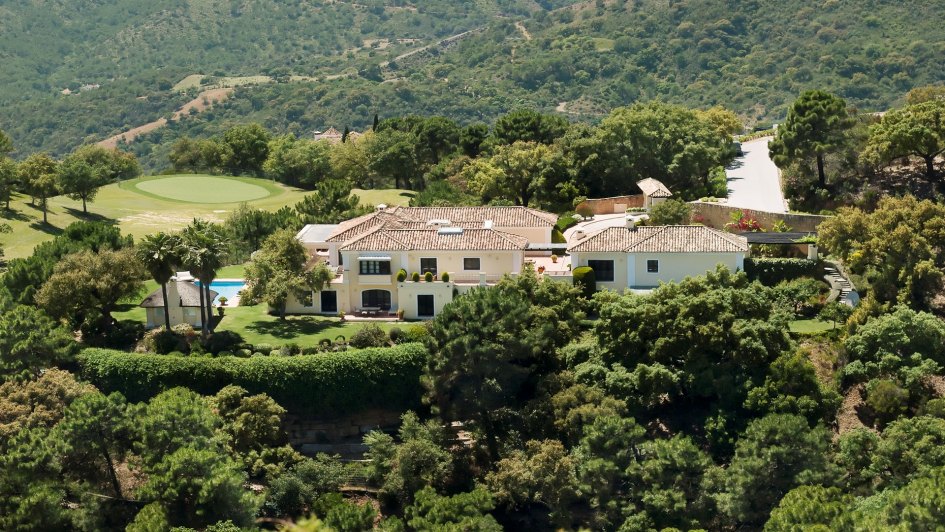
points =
(445, 277)
(585, 278)
(401, 275)
(415, 277)
(396, 335)
(428, 277)
(370, 335)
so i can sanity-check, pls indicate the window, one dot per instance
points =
(652, 266)
(603, 270)
(376, 298)
(375, 267)
(425, 306)
(428, 265)
(329, 301)
(471, 264)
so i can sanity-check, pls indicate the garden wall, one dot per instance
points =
(717, 215)
(612, 205)
(325, 385)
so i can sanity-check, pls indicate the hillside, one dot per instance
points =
(335, 63)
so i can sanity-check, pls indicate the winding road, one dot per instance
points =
(754, 181)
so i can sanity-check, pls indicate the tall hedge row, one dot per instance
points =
(771, 271)
(323, 385)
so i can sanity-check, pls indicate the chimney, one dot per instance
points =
(631, 224)
(380, 207)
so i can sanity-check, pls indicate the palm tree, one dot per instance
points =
(158, 253)
(203, 251)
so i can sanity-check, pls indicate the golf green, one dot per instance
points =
(202, 189)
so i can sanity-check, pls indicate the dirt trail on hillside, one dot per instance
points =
(200, 103)
(521, 27)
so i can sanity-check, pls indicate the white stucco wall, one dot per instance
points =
(630, 269)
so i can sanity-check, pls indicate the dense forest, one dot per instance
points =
(581, 60)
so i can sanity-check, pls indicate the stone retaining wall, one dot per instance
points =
(718, 214)
(612, 205)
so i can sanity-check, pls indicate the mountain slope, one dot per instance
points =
(582, 59)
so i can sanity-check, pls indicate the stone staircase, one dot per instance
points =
(841, 289)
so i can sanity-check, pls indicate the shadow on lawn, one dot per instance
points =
(90, 216)
(293, 327)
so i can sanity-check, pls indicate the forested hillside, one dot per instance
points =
(583, 60)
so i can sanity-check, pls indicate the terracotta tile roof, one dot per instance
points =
(189, 296)
(466, 217)
(500, 216)
(653, 188)
(662, 239)
(383, 239)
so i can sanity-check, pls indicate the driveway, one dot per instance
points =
(753, 180)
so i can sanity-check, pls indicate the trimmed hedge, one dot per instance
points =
(323, 385)
(771, 271)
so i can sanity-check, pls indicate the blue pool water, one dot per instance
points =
(227, 289)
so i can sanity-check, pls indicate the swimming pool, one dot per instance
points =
(227, 288)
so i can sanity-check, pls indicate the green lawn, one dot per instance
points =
(810, 326)
(204, 188)
(158, 203)
(257, 326)
(388, 196)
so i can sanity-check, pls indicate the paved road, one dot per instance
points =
(753, 181)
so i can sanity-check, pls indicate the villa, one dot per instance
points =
(464, 247)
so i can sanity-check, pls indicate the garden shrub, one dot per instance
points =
(370, 335)
(771, 271)
(327, 385)
(396, 335)
(401, 275)
(162, 341)
(221, 341)
(264, 348)
(428, 277)
(886, 400)
(584, 277)
(415, 277)
(445, 277)
(417, 333)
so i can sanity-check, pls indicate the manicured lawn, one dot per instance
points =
(810, 326)
(258, 327)
(237, 271)
(158, 203)
(204, 188)
(389, 196)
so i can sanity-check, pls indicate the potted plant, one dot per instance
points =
(554, 259)
(415, 277)
(400, 314)
(401, 275)
(223, 301)
(445, 277)
(541, 269)
(341, 315)
(428, 277)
